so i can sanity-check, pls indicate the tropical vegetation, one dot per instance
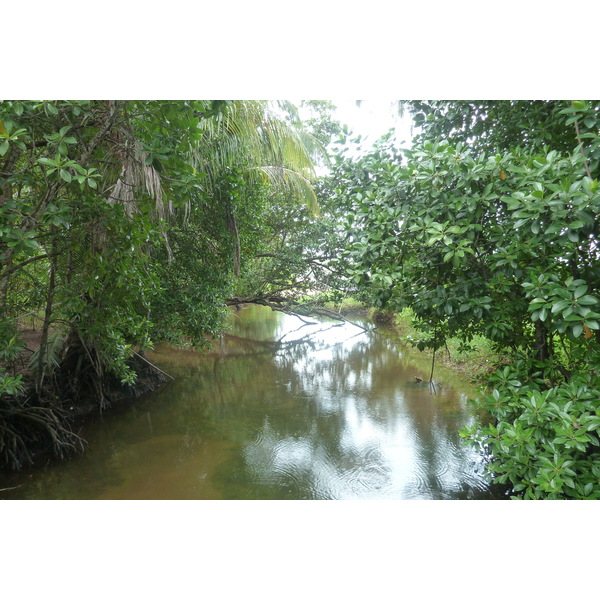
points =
(127, 223)
(123, 223)
(489, 226)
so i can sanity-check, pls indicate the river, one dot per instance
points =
(282, 408)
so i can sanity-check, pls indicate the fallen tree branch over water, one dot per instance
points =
(294, 307)
(154, 366)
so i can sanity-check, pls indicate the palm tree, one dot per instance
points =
(253, 136)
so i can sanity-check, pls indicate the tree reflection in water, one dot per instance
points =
(279, 410)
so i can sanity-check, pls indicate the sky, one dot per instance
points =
(373, 118)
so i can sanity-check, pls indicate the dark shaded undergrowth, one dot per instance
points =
(41, 421)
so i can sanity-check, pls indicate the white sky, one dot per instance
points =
(373, 118)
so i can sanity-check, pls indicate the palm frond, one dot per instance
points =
(137, 176)
(51, 355)
(250, 133)
(293, 182)
(250, 137)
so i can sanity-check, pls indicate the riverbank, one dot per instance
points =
(41, 425)
(63, 408)
(320, 412)
(475, 361)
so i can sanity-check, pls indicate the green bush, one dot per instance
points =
(544, 438)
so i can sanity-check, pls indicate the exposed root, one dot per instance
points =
(38, 422)
(27, 430)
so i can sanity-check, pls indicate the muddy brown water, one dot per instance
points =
(280, 409)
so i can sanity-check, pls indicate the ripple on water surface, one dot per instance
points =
(334, 416)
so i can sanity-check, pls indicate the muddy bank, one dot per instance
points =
(41, 424)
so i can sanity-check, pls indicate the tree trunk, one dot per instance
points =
(233, 230)
(43, 350)
(542, 347)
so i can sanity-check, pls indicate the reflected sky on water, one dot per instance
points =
(282, 408)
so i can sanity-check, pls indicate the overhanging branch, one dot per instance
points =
(290, 306)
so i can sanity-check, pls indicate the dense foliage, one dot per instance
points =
(490, 226)
(289, 252)
(124, 223)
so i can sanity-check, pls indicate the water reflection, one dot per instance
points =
(371, 432)
(281, 409)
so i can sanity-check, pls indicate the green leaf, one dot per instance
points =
(65, 175)
(576, 224)
(46, 161)
(587, 300)
(590, 121)
(560, 305)
(518, 224)
(31, 244)
(4, 148)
